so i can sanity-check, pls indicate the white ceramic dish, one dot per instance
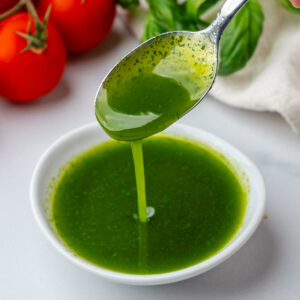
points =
(85, 137)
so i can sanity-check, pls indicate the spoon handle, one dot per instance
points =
(227, 12)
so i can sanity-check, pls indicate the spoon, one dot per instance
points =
(161, 80)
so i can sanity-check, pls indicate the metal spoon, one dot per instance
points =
(186, 60)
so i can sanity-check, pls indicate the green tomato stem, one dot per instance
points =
(37, 40)
(31, 9)
(13, 10)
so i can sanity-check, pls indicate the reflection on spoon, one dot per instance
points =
(123, 121)
(154, 86)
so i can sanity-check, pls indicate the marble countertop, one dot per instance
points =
(267, 267)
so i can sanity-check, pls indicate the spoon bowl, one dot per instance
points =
(161, 80)
(156, 84)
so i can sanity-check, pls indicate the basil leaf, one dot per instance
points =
(206, 6)
(195, 8)
(152, 27)
(128, 3)
(164, 11)
(240, 38)
(164, 16)
(288, 6)
(192, 7)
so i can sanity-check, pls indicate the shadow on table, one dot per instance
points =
(60, 93)
(57, 95)
(111, 42)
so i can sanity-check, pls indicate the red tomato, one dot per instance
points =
(29, 75)
(7, 4)
(82, 23)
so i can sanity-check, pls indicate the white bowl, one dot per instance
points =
(85, 137)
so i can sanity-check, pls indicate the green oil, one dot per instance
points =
(199, 205)
(138, 161)
(153, 87)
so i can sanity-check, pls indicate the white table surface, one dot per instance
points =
(267, 267)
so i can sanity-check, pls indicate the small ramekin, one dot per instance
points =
(85, 137)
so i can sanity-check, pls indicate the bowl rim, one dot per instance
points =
(155, 279)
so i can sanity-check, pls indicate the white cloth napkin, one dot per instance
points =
(271, 79)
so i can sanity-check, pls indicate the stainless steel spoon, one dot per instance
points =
(192, 53)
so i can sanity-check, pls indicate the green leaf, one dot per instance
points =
(288, 6)
(152, 27)
(128, 4)
(164, 16)
(192, 8)
(196, 8)
(240, 38)
(165, 12)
